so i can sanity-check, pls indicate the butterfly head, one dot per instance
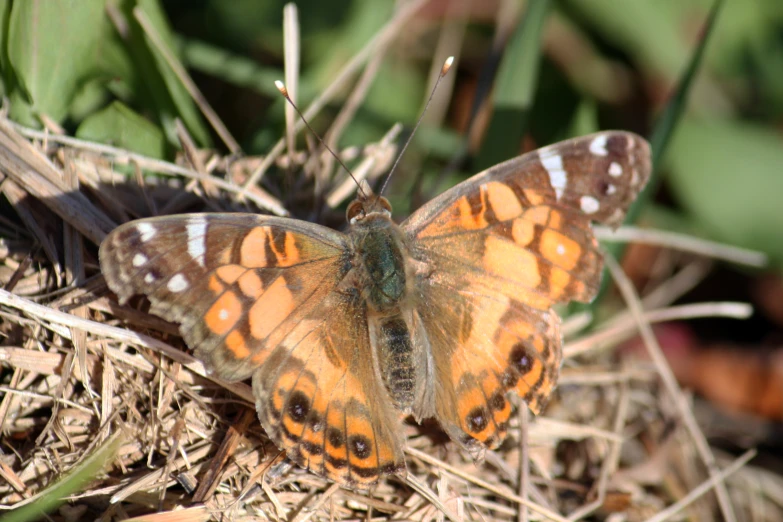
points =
(367, 205)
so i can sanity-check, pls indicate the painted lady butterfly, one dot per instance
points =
(439, 316)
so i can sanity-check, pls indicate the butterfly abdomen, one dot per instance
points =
(397, 360)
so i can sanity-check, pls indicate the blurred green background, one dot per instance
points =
(528, 73)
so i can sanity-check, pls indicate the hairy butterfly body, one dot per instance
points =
(441, 316)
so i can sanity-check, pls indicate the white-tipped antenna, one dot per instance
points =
(443, 70)
(281, 87)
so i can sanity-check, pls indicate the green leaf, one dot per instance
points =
(53, 48)
(120, 126)
(727, 175)
(514, 88)
(585, 120)
(155, 80)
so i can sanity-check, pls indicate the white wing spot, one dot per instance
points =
(146, 231)
(615, 170)
(553, 163)
(223, 314)
(611, 189)
(589, 204)
(149, 278)
(560, 249)
(197, 239)
(178, 283)
(139, 260)
(598, 145)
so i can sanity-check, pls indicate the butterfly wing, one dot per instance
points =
(500, 249)
(266, 296)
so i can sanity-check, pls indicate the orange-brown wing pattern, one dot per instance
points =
(236, 283)
(499, 250)
(261, 296)
(318, 397)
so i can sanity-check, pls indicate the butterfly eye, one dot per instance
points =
(355, 211)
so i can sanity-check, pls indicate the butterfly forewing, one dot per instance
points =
(227, 278)
(500, 249)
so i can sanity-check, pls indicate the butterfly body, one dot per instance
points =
(440, 316)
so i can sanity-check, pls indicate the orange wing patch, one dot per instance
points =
(266, 246)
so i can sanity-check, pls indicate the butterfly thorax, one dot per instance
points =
(379, 254)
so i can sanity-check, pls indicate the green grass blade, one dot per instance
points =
(515, 87)
(70, 484)
(665, 127)
(672, 113)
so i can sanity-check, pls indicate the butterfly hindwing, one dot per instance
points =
(319, 399)
(500, 249)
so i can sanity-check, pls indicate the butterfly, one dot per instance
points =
(440, 316)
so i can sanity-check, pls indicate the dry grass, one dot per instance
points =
(619, 440)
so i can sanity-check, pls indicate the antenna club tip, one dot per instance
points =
(447, 65)
(281, 87)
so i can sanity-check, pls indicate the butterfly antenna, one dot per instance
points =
(281, 87)
(443, 70)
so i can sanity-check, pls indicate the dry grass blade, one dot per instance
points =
(673, 388)
(120, 156)
(391, 30)
(502, 492)
(52, 318)
(291, 48)
(714, 481)
(187, 81)
(686, 243)
(623, 326)
(37, 176)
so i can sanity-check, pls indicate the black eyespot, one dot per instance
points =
(520, 359)
(477, 419)
(298, 406)
(335, 437)
(312, 449)
(510, 379)
(497, 402)
(360, 446)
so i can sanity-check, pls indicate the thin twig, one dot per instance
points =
(179, 70)
(484, 484)
(685, 243)
(391, 30)
(670, 382)
(715, 481)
